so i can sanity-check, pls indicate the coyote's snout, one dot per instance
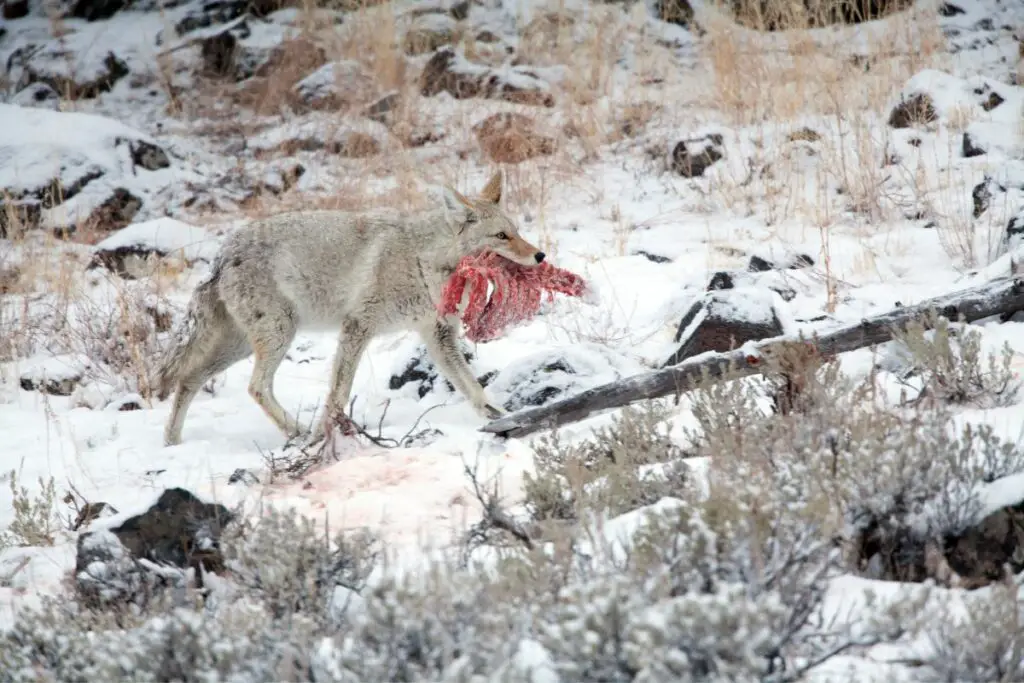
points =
(368, 273)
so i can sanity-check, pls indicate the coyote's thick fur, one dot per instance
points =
(367, 273)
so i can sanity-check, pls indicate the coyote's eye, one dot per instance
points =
(502, 236)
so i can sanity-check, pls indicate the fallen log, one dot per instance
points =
(1002, 296)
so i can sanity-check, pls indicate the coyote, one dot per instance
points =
(368, 273)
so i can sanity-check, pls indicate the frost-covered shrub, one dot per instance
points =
(240, 641)
(985, 644)
(35, 520)
(444, 626)
(853, 460)
(281, 559)
(626, 465)
(949, 364)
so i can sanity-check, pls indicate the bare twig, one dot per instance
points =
(494, 516)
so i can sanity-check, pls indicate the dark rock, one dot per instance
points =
(94, 10)
(1015, 230)
(280, 180)
(758, 264)
(545, 384)
(216, 12)
(382, 111)
(721, 280)
(460, 10)
(690, 158)
(794, 262)
(337, 85)
(447, 72)
(179, 530)
(37, 95)
(948, 9)
(148, 156)
(654, 258)
(53, 73)
(117, 260)
(677, 12)
(916, 110)
(15, 9)
(16, 216)
(92, 511)
(724, 327)
(244, 477)
(969, 148)
(979, 555)
(421, 371)
(770, 15)
(982, 195)
(218, 54)
(76, 170)
(108, 576)
(60, 385)
(125, 254)
(993, 100)
(428, 34)
(116, 212)
(126, 404)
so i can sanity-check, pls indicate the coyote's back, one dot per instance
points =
(367, 273)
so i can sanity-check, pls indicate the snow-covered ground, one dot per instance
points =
(887, 215)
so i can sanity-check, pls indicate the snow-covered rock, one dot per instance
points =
(355, 139)
(725, 319)
(123, 251)
(335, 84)
(449, 71)
(78, 166)
(54, 375)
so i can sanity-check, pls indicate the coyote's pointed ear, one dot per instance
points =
(492, 190)
(455, 200)
(459, 209)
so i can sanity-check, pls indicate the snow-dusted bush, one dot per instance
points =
(238, 641)
(850, 456)
(984, 644)
(445, 625)
(626, 465)
(35, 520)
(283, 561)
(950, 365)
(728, 581)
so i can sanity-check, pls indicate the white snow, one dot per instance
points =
(593, 211)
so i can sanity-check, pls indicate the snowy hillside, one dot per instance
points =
(715, 182)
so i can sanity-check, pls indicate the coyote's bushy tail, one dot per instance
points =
(198, 324)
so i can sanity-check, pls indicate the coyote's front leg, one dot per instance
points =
(355, 337)
(441, 338)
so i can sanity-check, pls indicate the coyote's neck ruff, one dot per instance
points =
(365, 273)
